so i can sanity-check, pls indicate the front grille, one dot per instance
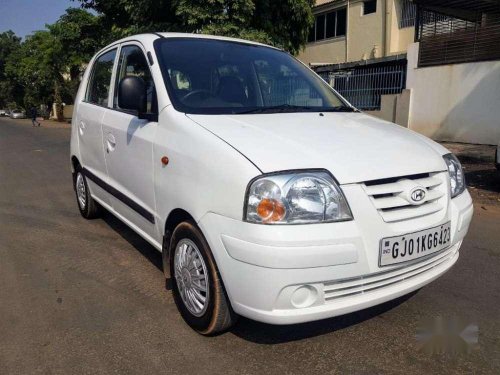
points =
(388, 196)
(365, 284)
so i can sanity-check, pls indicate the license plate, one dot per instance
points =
(412, 246)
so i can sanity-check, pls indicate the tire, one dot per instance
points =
(88, 207)
(189, 247)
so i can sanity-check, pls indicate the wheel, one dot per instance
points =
(196, 284)
(88, 207)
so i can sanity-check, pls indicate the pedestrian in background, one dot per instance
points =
(34, 115)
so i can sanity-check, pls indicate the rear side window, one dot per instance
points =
(133, 63)
(100, 81)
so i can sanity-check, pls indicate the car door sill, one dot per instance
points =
(120, 196)
(131, 225)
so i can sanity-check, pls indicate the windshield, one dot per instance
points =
(207, 76)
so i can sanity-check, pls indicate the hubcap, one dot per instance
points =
(81, 193)
(191, 277)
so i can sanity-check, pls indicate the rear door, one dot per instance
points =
(128, 142)
(89, 121)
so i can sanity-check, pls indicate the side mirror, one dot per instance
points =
(132, 94)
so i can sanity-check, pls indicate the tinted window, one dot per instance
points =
(133, 63)
(98, 89)
(328, 25)
(369, 6)
(341, 22)
(213, 76)
(320, 27)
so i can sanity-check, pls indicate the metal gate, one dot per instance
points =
(363, 86)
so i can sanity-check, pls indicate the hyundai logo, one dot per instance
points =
(417, 195)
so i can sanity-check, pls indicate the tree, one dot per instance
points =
(287, 22)
(80, 34)
(48, 65)
(9, 89)
(128, 17)
(282, 23)
(38, 67)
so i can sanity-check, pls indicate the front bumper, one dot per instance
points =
(297, 273)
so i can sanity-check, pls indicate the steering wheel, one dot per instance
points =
(196, 92)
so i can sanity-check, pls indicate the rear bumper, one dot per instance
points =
(293, 274)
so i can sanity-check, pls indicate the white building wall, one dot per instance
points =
(459, 102)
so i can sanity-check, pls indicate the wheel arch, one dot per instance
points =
(174, 218)
(75, 163)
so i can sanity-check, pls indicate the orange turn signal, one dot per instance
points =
(271, 210)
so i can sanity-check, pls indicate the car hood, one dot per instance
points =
(354, 147)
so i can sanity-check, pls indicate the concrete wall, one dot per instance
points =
(459, 102)
(365, 34)
(398, 39)
(365, 38)
(394, 108)
(330, 51)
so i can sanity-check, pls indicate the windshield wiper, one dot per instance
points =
(340, 108)
(297, 108)
(276, 109)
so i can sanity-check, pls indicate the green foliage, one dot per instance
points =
(79, 35)
(127, 17)
(215, 16)
(48, 65)
(35, 67)
(286, 21)
(9, 89)
(283, 23)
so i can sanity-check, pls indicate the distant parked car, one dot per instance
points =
(17, 114)
(3, 112)
(497, 157)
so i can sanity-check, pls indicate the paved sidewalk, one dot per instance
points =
(470, 153)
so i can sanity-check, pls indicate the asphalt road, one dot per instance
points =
(81, 296)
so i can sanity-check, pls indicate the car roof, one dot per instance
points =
(212, 37)
(154, 36)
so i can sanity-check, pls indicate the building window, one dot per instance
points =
(320, 27)
(328, 25)
(369, 7)
(408, 14)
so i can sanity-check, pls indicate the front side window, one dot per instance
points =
(221, 77)
(100, 81)
(133, 63)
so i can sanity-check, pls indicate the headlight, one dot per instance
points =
(456, 172)
(296, 198)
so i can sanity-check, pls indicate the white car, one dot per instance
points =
(268, 194)
(17, 114)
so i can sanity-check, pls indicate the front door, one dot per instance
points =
(89, 121)
(128, 145)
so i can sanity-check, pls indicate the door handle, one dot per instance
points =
(81, 127)
(110, 143)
